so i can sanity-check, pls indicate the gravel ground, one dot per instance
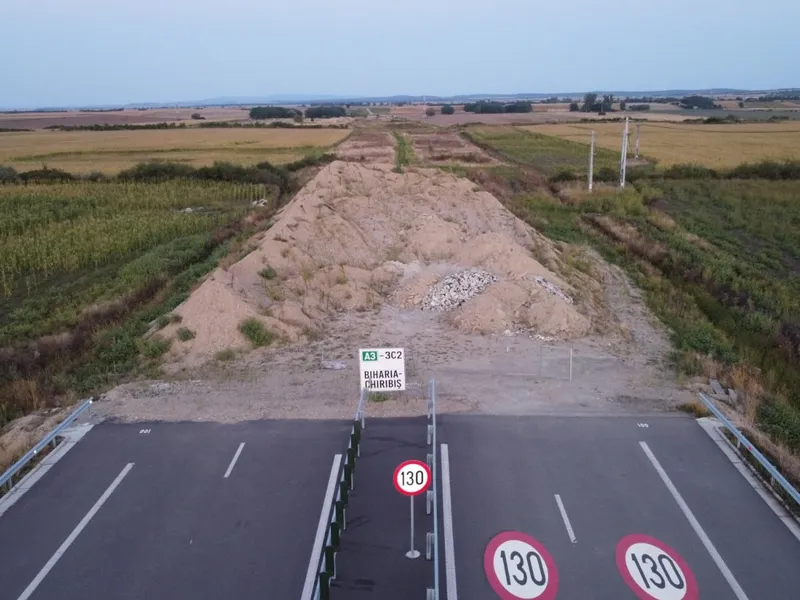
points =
(619, 374)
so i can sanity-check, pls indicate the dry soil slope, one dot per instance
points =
(359, 236)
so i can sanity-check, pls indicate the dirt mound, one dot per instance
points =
(359, 236)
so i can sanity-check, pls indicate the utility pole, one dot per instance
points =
(636, 154)
(591, 162)
(624, 158)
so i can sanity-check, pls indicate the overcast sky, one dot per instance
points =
(84, 52)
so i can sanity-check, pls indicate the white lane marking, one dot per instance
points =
(447, 516)
(233, 462)
(698, 529)
(75, 532)
(564, 516)
(322, 530)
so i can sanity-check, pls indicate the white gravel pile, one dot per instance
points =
(452, 291)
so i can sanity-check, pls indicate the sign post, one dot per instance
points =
(382, 369)
(412, 478)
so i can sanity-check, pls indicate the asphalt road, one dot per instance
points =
(505, 473)
(372, 561)
(175, 526)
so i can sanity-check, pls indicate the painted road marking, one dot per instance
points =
(564, 516)
(412, 477)
(233, 462)
(75, 533)
(698, 529)
(322, 530)
(519, 567)
(654, 571)
(447, 517)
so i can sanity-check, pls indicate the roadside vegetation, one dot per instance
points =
(88, 265)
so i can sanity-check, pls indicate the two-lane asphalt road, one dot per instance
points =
(578, 486)
(165, 511)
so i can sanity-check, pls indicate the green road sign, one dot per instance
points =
(368, 355)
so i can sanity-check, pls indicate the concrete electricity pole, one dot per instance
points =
(636, 153)
(624, 158)
(591, 163)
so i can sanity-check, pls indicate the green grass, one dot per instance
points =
(403, 152)
(254, 330)
(87, 268)
(547, 154)
(185, 334)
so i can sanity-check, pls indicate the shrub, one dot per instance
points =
(448, 109)
(185, 334)
(766, 169)
(430, 111)
(325, 112)
(45, 175)
(225, 355)
(254, 330)
(155, 347)
(574, 107)
(606, 174)
(564, 174)
(690, 171)
(156, 170)
(268, 273)
(8, 175)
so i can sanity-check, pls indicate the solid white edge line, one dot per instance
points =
(698, 529)
(233, 462)
(564, 516)
(447, 521)
(72, 536)
(322, 529)
(710, 426)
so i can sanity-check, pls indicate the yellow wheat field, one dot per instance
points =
(716, 146)
(112, 151)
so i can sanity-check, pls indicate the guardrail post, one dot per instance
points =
(340, 514)
(429, 461)
(324, 586)
(428, 501)
(430, 435)
(428, 546)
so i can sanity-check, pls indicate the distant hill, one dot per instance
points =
(459, 98)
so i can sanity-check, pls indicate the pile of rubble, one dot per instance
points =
(552, 288)
(452, 291)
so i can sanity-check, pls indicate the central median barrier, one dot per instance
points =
(328, 539)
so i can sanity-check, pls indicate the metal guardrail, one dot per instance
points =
(742, 440)
(433, 593)
(337, 517)
(7, 478)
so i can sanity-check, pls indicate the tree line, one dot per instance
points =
(493, 107)
(312, 112)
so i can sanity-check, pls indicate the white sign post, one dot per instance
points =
(412, 478)
(382, 369)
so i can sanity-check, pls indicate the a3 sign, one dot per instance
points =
(518, 567)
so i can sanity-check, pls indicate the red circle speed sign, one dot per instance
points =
(519, 567)
(412, 478)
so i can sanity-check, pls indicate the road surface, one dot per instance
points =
(610, 475)
(174, 526)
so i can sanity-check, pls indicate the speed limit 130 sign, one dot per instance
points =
(412, 478)
(654, 571)
(519, 567)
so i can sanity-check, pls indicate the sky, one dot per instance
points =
(101, 52)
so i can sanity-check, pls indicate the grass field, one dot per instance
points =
(716, 146)
(85, 267)
(547, 154)
(112, 151)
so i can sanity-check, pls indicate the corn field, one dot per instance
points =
(52, 229)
